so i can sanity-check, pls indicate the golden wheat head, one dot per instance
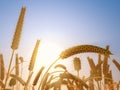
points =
(83, 49)
(37, 76)
(33, 58)
(77, 64)
(17, 34)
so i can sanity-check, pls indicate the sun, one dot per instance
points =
(48, 52)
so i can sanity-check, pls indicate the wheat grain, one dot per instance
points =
(17, 34)
(83, 49)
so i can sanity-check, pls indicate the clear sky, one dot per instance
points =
(63, 22)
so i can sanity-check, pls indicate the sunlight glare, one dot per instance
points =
(48, 52)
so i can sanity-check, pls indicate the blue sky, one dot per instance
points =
(94, 22)
(64, 22)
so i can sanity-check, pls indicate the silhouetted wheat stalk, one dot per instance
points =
(16, 38)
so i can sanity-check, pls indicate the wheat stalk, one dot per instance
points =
(91, 82)
(17, 65)
(17, 69)
(83, 49)
(16, 38)
(2, 68)
(29, 78)
(105, 64)
(33, 58)
(45, 81)
(99, 69)
(2, 84)
(92, 65)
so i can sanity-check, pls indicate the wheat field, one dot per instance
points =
(100, 74)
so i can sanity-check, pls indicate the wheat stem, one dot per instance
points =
(45, 75)
(2, 68)
(9, 68)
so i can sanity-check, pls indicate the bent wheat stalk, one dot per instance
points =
(83, 49)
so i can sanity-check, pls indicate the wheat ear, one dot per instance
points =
(16, 38)
(18, 31)
(33, 58)
(83, 49)
(37, 76)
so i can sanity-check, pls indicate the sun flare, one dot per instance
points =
(48, 52)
